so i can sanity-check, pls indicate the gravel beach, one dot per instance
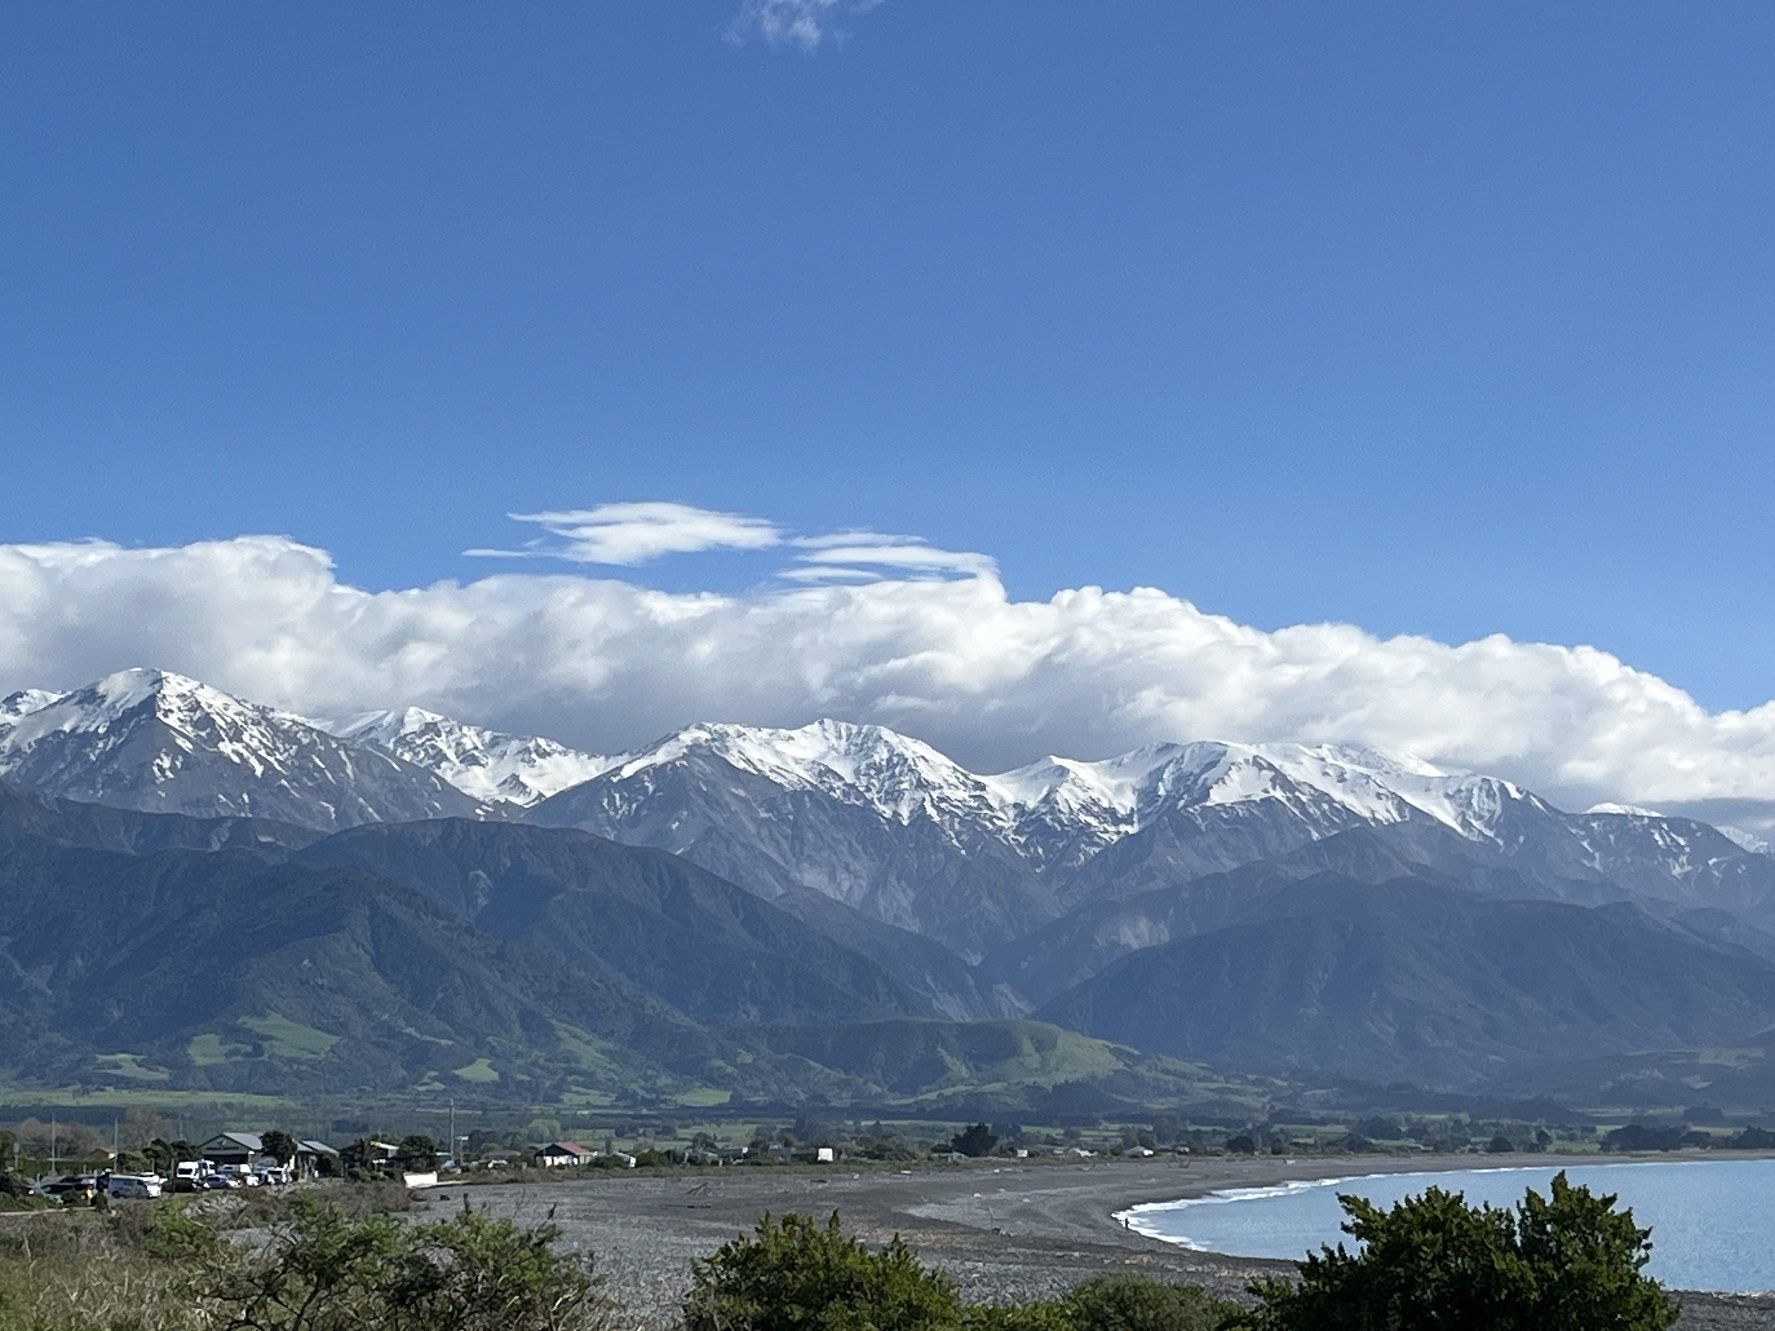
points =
(1007, 1230)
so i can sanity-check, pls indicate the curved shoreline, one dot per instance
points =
(1007, 1230)
(1131, 1216)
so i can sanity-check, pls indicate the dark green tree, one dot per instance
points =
(279, 1145)
(417, 1152)
(360, 1159)
(1565, 1262)
(795, 1274)
(975, 1141)
(162, 1155)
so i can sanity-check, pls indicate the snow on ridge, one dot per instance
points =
(1115, 783)
(23, 702)
(894, 774)
(195, 715)
(1057, 806)
(1107, 798)
(1623, 810)
(99, 706)
(380, 727)
(484, 764)
(1376, 785)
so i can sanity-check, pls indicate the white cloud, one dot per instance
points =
(802, 23)
(606, 664)
(850, 554)
(631, 534)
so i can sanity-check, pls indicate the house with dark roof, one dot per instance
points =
(240, 1149)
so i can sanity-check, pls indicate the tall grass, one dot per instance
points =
(301, 1262)
(124, 1269)
(88, 1271)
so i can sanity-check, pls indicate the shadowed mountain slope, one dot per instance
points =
(714, 951)
(1408, 980)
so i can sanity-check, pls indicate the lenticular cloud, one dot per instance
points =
(606, 664)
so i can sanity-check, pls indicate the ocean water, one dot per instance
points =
(1712, 1221)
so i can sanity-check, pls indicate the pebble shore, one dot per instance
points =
(1007, 1230)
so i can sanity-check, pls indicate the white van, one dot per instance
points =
(134, 1185)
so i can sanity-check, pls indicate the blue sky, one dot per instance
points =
(1437, 319)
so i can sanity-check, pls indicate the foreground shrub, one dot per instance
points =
(1111, 1303)
(794, 1274)
(327, 1269)
(80, 1271)
(1139, 1303)
(322, 1269)
(1568, 1262)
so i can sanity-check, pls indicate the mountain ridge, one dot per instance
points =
(159, 742)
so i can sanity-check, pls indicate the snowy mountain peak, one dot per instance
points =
(132, 697)
(385, 727)
(1131, 789)
(23, 703)
(1623, 810)
(1113, 783)
(892, 773)
(154, 740)
(485, 764)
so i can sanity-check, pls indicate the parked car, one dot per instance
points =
(188, 1175)
(74, 1188)
(143, 1186)
(220, 1182)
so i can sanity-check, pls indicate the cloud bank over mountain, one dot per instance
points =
(606, 664)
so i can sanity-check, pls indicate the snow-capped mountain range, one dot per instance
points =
(481, 763)
(874, 819)
(163, 743)
(894, 828)
(1060, 810)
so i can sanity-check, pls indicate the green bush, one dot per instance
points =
(1110, 1303)
(1139, 1303)
(1045, 1315)
(1567, 1262)
(794, 1274)
(329, 1270)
